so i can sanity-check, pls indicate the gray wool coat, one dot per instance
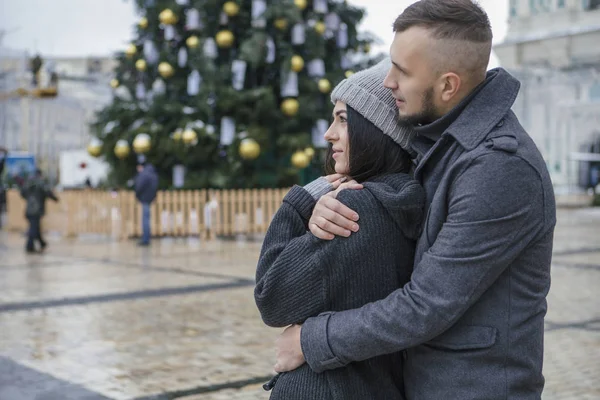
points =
(471, 320)
(299, 276)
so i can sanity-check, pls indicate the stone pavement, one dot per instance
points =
(94, 319)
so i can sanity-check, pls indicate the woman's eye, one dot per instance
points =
(343, 119)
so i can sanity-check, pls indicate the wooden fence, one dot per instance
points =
(203, 213)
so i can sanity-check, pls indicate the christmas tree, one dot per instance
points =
(236, 92)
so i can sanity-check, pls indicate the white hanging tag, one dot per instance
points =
(182, 57)
(320, 6)
(270, 59)
(193, 84)
(170, 32)
(150, 52)
(318, 133)
(159, 87)
(238, 74)
(342, 36)
(210, 48)
(316, 68)
(223, 18)
(298, 34)
(345, 62)
(192, 20)
(258, 9)
(332, 21)
(289, 84)
(140, 91)
(227, 131)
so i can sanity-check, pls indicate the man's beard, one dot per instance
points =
(426, 116)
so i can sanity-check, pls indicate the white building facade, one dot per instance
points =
(553, 47)
(45, 127)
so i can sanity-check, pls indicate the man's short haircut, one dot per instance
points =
(462, 26)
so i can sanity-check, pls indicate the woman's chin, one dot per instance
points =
(341, 169)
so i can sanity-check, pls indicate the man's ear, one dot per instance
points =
(449, 84)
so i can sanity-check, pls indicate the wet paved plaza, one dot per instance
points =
(94, 319)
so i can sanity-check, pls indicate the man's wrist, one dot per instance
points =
(315, 344)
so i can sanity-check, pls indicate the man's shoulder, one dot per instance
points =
(508, 144)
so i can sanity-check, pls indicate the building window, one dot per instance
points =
(595, 92)
(513, 8)
(560, 4)
(532, 7)
(591, 4)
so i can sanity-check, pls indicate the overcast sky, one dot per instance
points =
(100, 27)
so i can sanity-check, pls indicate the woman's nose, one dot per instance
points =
(330, 134)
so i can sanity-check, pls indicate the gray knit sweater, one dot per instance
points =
(299, 276)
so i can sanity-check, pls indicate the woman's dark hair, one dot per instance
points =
(372, 153)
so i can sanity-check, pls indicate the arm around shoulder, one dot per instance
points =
(495, 209)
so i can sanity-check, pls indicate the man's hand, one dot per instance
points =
(330, 217)
(289, 350)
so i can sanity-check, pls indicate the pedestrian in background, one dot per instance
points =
(35, 192)
(3, 154)
(146, 185)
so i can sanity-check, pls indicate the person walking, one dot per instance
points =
(146, 186)
(35, 192)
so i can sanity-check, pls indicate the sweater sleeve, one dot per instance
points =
(293, 273)
(289, 280)
(489, 223)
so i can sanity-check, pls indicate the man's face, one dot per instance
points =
(140, 168)
(412, 78)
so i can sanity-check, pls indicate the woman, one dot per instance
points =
(299, 276)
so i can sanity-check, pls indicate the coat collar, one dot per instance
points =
(471, 120)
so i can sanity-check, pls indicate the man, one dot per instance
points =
(35, 192)
(470, 323)
(146, 185)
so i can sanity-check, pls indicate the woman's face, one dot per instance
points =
(337, 135)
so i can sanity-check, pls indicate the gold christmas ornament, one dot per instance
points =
(249, 149)
(192, 42)
(114, 83)
(297, 63)
(301, 4)
(165, 70)
(310, 152)
(142, 143)
(290, 107)
(189, 136)
(140, 65)
(320, 27)
(131, 50)
(94, 149)
(177, 135)
(349, 73)
(324, 86)
(143, 23)
(122, 149)
(231, 8)
(281, 24)
(168, 17)
(300, 160)
(225, 39)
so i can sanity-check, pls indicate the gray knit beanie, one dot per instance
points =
(365, 93)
